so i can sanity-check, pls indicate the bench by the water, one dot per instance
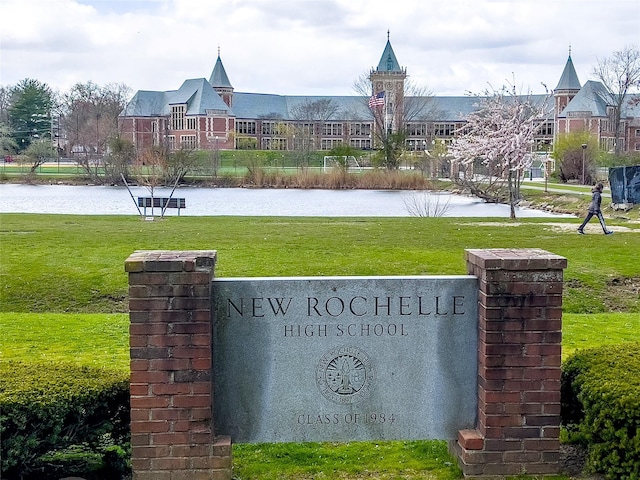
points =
(161, 202)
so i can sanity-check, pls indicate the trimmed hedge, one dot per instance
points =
(601, 404)
(49, 407)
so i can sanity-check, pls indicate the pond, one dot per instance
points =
(105, 200)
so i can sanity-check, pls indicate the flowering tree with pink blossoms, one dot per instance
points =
(495, 146)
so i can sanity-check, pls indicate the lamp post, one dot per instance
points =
(584, 150)
(547, 161)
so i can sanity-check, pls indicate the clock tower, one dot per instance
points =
(388, 79)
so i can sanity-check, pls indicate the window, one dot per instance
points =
(274, 144)
(360, 129)
(416, 145)
(417, 129)
(246, 127)
(278, 144)
(305, 128)
(171, 142)
(188, 141)
(607, 144)
(177, 117)
(361, 143)
(444, 129)
(546, 128)
(267, 128)
(332, 129)
(271, 128)
(329, 143)
(637, 133)
(192, 123)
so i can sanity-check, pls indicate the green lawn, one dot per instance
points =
(64, 296)
(66, 263)
(103, 339)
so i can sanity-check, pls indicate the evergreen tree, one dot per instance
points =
(30, 112)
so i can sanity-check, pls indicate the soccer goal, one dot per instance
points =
(333, 162)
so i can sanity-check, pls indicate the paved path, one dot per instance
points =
(554, 188)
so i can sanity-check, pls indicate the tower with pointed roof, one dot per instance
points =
(220, 82)
(567, 88)
(209, 114)
(389, 77)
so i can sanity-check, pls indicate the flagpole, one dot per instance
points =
(386, 119)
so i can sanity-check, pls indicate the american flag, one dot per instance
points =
(376, 100)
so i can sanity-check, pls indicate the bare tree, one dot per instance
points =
(427, 204)
(499, 135)
(620, 74)
(305, 115)
(149, 171)
(179, 163)
(90, 121)
(118, 160)
(5, 103)
(8, 145)
(418, 103)
(38, 152)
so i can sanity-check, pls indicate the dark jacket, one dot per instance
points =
(596, 200)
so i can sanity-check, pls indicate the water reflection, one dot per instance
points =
(99, 200)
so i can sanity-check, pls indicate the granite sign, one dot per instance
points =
(344, 358)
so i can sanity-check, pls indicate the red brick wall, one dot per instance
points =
(519, 356)
(172, 431)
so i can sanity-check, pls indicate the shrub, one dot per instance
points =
(49, 407)
(601, 405)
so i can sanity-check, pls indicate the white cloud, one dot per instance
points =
(309, 47)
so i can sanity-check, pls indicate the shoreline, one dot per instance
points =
(543, 206)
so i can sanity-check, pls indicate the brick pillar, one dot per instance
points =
(519, 355)
(172, 434)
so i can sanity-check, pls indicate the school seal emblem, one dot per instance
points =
(345, 375)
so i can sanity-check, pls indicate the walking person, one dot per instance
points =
(594, 209)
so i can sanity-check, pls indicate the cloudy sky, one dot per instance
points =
(309, 47)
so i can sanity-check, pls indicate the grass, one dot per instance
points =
(63, 296)
(67, 263)
(354, 460)
(86, 339)
(578, 189)
(45, 337)
(42, 337)
(580, 332)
